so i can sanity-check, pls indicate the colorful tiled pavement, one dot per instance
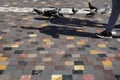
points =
(33, 48)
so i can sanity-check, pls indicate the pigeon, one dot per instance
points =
(49, 13)
(60, 13)
(93, 10)
(74, 10)
(105, 9)
(38, 11)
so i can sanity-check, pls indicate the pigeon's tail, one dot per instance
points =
(38, 11)
(89, 4)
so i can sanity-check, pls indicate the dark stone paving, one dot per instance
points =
(33, 48)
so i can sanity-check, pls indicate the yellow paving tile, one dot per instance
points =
(69, 63)
(32, 55)
(99, 25)
(57, 3)
(85, 4)
(39, 67)
(47, 59)
(1, 37)
(14, 3)
(82, 18)
(94, 51)
(15, 45)
(118, 39)
(32, 35)
(80, 43)
(107, 14)
(102, 45)
(44, 25)
(50, 43)
(46, 40)
(79, 67)
(80, 30)
(56, 77)
(3, 58)
(70, 37)
(3, 67)
(25, 19)
(107, 63)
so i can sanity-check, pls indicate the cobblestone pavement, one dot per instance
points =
(33, 48)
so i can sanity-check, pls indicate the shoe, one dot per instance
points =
(104, 34)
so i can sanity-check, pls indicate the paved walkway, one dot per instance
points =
(33, 48)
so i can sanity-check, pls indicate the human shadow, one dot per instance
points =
(55, 31)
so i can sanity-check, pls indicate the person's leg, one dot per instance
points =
(114, 15)
(112, 20)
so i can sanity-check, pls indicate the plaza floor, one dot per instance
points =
(35, 48)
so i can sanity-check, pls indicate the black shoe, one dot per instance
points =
(104, 34)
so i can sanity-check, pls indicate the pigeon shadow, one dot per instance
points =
(55, 31)
(78, 23)
(41, 18)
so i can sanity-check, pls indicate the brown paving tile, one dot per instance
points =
(109, 75)
(59, 67)
(97, 67)
(88, 77)
(23, 56)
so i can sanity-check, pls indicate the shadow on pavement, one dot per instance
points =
(41, 18)
(55, 31)
(76, 22)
